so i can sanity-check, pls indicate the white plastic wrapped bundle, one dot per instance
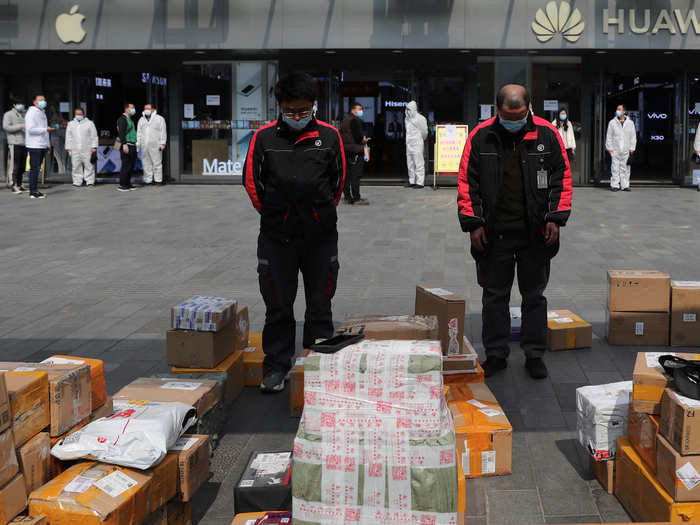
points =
(601, 413)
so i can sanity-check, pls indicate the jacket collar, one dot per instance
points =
(310, 131)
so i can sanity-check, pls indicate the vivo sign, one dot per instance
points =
(660, 116)
(217, 167)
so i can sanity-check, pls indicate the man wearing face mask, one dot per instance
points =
(13, 125)
(294, 174)
(151, 136)
(127, 138)
(416, 133)
(514, 193)
(620, 141)
(354, 140)
(37, 141)
(81, 143)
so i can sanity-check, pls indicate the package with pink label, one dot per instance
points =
(376, 440)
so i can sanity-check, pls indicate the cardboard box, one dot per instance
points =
(466, 361)
(450, 311)
(5, 412)
(163, 482)
(106, 410)
(680, 424)
(70, 392)
(192, 455)
(56, 466)
(677, 474)
(94, 493)
(179, 513)
(601, 417)
(242, 327)
(249, 518)
(466, 378)
(638, 291)
(604, 471)
(641, 494)
(685, 313)
(203, 313)
(483, 433)
(232, 366)
(650, 380)
(202, 394)
(29, 520)
(383, 327)
(193, 349)
(8, 457)
(13, 498)
(261, 486)
(29, 403)
(642, 429)
(97, 375)
(566, 331)
(253, 358)
(296, 388)
(638, 328)
(35, 461)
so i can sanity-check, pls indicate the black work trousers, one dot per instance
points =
(279, 263)
(355, 166)
(18, 163)
(128, 163)
(496, 269)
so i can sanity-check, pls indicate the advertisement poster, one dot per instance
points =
(248, 94)
(449, 145)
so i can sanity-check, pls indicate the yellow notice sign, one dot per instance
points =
(449, 145)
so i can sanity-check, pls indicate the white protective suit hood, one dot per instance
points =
(411, 109)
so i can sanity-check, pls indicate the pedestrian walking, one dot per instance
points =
(514, 193)
(620, 141)
(354, 140)
(14, 127)
(127, 142)
(81, 144)
(151, 137)
(294, 174)
(566, 131)
(37, 142)
(416, 133)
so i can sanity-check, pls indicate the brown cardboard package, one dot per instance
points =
(93, 493)
(192, 454)
(193, 349)
(202, 394)
(13, 498)
(35, 461)
(685, 313)
(638, 328)
(242, 327)
(107, 409)
(97, 375)
(464, 378)
(638, 291)
(247, 518)
(163, 482)
(179, 513)
(604, 472)
(29, 403)
(70, 392)
(641, 494)
(382, 327)
(679, 422)
(483, 433)
(296, 388)
(642, 429)
(8, 457)
(253, 357)
(677, 474)
(5, 412)
(29, 520)
(566, 330)
(464, 362)
(650, 381)
(232, 366)
(449, 309)
(56, 466)
(203, 316)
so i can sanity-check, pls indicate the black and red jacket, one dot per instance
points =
(480, 178)
(295, 179)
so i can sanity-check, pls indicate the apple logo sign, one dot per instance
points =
(69, 26)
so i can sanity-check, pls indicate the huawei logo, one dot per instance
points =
(555, 19)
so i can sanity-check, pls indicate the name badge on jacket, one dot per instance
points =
(542, 183)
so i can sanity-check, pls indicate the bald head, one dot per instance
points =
(512, 97)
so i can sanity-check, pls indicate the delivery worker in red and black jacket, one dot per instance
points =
(514, 194)
(294, 174)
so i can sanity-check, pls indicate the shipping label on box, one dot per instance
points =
(642, 429)
(650, 380)
(638, 328)
(678, 474)
(566, 330)
(680, 424)
(450, 310)
(29, 403)
(35, 461)
(192, 453)
(8, 457)
(193, 349)
(203, 313)
(242, 327)
(638, 291)
(685, 309)
(202, 394)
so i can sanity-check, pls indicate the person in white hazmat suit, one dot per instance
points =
(620, 141)
(151, 136)
(416, 133)
(696, 147)
(81, 144)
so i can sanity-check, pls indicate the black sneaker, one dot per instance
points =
(494, 364)
(536, 367)
(121, 188)
(22, 188)
(418, 186)
(614, 189)
(273, 382)
(627, 189)
(37, 195)
(409, 185)
(16, 190)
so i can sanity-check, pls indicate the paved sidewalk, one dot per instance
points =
(94, 272)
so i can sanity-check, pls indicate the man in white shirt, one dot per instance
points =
(81, 143)
(620, 141)
(37, 142)
(151, 136)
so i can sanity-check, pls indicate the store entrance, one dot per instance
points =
(650, 103)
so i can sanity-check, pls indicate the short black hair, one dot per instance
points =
(624, 108)
(127, 104)
(511, 98)
(296, 85)
(354, 104)
(79, 109)
(15, 100)
(38, 95)
(149, 104)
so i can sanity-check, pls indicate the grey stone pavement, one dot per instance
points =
(94, 272)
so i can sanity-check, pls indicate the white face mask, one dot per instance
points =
(147, 112)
